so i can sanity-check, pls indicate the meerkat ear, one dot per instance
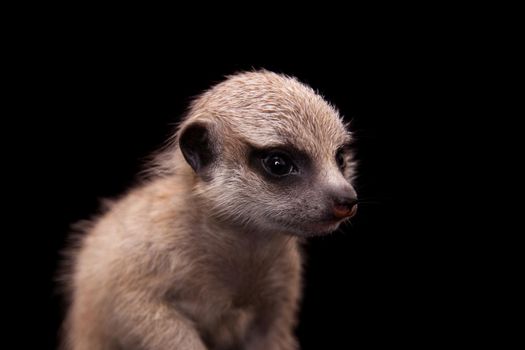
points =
(197, 146)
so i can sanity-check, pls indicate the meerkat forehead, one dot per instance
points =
(266, 109)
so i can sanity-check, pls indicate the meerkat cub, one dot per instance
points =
(204, 255)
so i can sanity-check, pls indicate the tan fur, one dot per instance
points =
(186, 263)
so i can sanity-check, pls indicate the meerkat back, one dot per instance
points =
(204, 253)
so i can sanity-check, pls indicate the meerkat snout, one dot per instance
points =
(345, 205)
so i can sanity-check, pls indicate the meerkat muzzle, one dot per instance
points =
(346, 210)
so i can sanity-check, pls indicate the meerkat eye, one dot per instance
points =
(278, 164)
(340, 159)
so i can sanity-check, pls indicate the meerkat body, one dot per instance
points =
(205, 254)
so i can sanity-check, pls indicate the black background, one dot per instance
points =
(391, 278)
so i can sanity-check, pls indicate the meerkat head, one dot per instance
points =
(269, 153)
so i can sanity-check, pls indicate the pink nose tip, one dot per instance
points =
(342, 211)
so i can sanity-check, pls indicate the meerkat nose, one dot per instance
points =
(345, 207)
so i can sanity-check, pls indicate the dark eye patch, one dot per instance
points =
(340, 159)
(278, 164)
(259, 160)
(342, 154)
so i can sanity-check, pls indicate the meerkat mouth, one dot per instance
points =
(321, 227)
